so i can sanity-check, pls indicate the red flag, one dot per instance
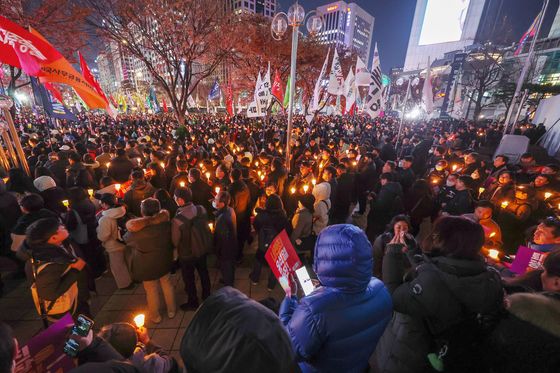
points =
(88, 76)
(229, 100)
(164, 106)
(54, 91)
(277, 89)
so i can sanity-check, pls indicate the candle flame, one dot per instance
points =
(118, 187)
(182, 184)
(217, 190)
(547, 195)
(494, 254)
(492, 234)
(293, 190)
(139, 320)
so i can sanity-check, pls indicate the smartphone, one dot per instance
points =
(82, 327)
(305, 280)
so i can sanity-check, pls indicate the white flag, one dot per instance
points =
(190, 102)
(257, 86)
(264, 93)
(336, 79)
(318, 84)
(427, 91)
(252, 111)
(373, 104)
(350, 90)
(239, 105)
(362, 74)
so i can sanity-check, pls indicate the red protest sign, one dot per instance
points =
(281, 256)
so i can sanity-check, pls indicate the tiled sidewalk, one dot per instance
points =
(112, 305)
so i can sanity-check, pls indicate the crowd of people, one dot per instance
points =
(408, 238)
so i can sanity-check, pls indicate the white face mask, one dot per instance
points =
(450, 183)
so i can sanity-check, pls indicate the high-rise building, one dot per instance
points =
(347, 24)
(265, 7)
(555, 28)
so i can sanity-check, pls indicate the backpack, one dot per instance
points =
(121, 226)
(456, 348)
(196, 239)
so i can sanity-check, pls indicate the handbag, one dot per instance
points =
(80, 234)
(67, 302)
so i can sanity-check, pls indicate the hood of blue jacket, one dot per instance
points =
(343, 258)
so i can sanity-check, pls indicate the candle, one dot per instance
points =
(354, 163)
(293, 190)
(280, 150)
(547, 195)
(492, 234)
(480, 191)
(305, 188)
(211, 226)
(454, 167)
(182, 184)
(434, 181)
(139, 320)
(139, 160)
(65, 203)
(494, 254)
(262, 177)
(259, 173)
(257, 164)
(117, 187)
(504, 204)
(207, 175)
(314, 181)
(108, 164)
(217, 189)
(321, 165)
(201, 165)
(162, 164)
(145, 171)
(90, 192)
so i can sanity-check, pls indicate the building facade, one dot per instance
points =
(266, 8)
(347, 24)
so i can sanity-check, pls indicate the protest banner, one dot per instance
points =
(45, 351)
(527, 259)
(282, 257)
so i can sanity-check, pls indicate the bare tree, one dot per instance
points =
(482, 72)
(180, 42)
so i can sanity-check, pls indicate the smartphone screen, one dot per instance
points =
(305, 280)
(71, 348)
(82, 326)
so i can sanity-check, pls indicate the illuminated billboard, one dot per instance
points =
(444, 21)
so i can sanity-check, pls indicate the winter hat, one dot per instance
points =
(322, 191)
(43, 183)
(65, 147)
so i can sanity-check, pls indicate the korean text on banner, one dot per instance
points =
(281, 256)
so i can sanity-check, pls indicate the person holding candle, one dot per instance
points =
(51, 193)
(240, 202)
(462, 201)
(181, 178)
(77, 174)
(482, 215)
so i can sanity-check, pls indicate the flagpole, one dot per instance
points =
(403, 112)
(525, 70)
(295, 30)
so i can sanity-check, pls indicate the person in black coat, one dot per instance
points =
(278, 175)
(201, 191)
(77, 175)
(462, 202)
(366, 179)
(254, 190)
(435, 302)
(181, 178)
(406, 175)
(268, 223)
(345, 195)
(57, 164)
(51, 193)
(388, 203)
(225, 237)
(388, 152)
(120, 167)
(10, 213)
(82, 212)
(240, 202)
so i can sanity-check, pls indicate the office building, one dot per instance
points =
(266, 8)
(349, 25)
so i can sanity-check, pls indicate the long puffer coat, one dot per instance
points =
(336, 328)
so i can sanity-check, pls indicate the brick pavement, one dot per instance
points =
(113, 305)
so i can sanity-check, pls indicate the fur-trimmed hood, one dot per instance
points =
(135, 225)
(539, 309)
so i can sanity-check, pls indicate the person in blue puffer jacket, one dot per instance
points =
(337, 326)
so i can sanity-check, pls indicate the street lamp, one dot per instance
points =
(295, 18)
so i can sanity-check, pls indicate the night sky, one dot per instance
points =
(393, 20)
